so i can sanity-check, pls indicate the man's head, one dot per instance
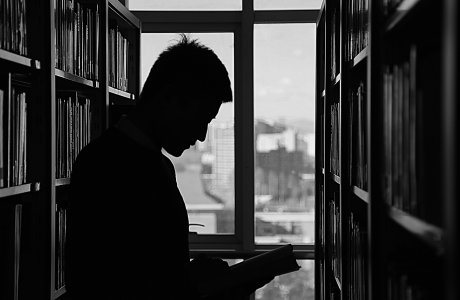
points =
(183, 92)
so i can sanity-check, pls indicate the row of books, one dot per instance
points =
(336, 245)
(357, 27)
(119, 58)
(335, 44)
(13, 137)
(61, 234)
(335, 139)
(73, 129)
(357, 259)
(77, 38)
(358, 137)
(401, 101)
(13, 26)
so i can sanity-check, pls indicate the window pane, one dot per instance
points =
(185, 5)
(284, 108)
(205, 172)
(287, 4)
(299, 285)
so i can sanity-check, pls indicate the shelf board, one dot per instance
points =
(337, 283)
(335, 178)
(77, 79)
(62, 181)
(58, 293)
(336, 79)
(19, 189)
(19, 59)
(361, 57)
(429, 233)
(126, 95)
(403, 10)
(361, 194)
(124, 12)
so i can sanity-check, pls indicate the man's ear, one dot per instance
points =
(169, 97)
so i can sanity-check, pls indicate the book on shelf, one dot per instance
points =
(270, 264)
(77, 38)
(11, 236)
(357, 260)
(334, 233)
(119, 57)
(357, 27)
(17, 246)
(73, 129)
(335, 42)
(13, 131)
(61, 236)
(401, 104)
(335, 139)
(13, 26)
(357, 151)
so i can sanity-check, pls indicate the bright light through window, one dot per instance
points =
(284, 114)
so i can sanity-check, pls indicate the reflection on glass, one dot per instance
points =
(284, 108)
(185, 5)
(205, 172)
(287, 4)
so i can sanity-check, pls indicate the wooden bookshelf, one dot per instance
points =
(396, 205)
(336, 79)
(361, 194)
(361, 57)
(62, 181)
(19, 59)
(335, 178)
(432, 235)
(19, 189)
(57, 72)
(402, 12)
(76, 79)
(123, 94)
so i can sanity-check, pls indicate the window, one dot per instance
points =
(284, 139)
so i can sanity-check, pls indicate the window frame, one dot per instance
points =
(241, 244)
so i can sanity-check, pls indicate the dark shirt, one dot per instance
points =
(127, 224)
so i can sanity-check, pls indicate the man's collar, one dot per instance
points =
(135, 133)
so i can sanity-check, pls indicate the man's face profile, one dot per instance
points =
(188, 123)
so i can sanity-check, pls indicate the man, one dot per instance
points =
(127, 225)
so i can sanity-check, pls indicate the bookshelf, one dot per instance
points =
(387, 192)
(55, 98)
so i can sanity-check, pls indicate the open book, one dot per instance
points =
(267, 265)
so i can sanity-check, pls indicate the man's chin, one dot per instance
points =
(175, 152)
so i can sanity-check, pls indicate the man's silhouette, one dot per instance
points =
(127, 230)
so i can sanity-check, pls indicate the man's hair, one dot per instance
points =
(191, 67)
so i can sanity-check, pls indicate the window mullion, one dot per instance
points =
(244, 134)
